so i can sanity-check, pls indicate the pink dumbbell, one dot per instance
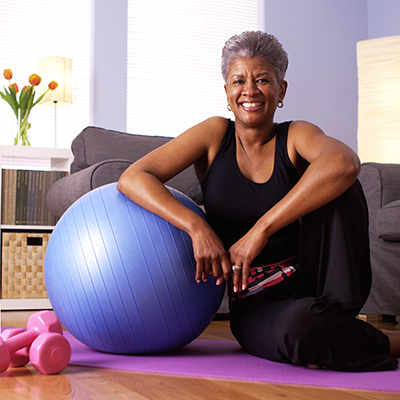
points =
(50, 353)
(20, 357)
(38, 324)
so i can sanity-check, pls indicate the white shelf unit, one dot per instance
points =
(34, 158)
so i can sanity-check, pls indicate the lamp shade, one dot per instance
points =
(57, 69)
(378, 62)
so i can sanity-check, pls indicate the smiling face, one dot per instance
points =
(253, 92)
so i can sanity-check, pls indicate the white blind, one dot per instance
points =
(174, 56)
(32, 30)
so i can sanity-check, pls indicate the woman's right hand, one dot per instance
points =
(211, 257)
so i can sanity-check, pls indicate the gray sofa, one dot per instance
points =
(381, 184)
(100, 157)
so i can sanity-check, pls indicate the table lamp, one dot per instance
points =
(57, 69)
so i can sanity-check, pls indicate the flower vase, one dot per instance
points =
(22, 127)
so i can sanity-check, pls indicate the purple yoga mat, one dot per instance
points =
(225, 359)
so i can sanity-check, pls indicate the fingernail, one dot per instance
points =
(243, 287)
(235, 289)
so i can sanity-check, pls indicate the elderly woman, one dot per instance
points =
(287, 219)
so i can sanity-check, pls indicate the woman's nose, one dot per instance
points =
(250, 87)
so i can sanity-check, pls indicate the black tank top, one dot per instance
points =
(234, 204)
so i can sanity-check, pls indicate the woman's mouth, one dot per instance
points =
(251, 106)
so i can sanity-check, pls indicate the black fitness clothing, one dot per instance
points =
(309, 317)
(233, 202)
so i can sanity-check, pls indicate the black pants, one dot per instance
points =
(310, 318)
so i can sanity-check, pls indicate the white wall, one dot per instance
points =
(383, 18)
(109, 64)
(320, 38)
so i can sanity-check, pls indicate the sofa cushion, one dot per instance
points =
(94, 145)
(388, 222)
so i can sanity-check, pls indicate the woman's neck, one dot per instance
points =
(255, 136)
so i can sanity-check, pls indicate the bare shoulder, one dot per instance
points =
(308, 141)
(206, 136)
(304, 129)
(218, 122)
(208, 130)
(302, 136)
(216, 132)
(194, 146)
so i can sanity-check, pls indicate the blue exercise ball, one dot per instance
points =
(122, 280)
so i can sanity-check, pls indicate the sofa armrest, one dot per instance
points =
(381, 185)
(388, 222)
(67, 190)
(385, 178)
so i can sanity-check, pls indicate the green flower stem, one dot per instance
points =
(22, 129)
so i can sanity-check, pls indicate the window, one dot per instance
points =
(32, 30)
(174, 55)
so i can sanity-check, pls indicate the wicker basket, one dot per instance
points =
(22, 266)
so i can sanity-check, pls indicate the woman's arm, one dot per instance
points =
(328, 168)
(143, 183)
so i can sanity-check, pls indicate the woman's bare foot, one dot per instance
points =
(315, 366)
(394, 340)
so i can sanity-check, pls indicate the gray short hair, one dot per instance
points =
(255, 44)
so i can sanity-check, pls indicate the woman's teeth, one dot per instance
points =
(251, 105)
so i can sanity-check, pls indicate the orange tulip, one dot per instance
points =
(7, 74)
(35, 80)
(14, 87)
(53, 85)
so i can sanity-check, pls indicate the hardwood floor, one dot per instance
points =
(91, 383)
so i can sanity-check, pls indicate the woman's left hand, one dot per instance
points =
(242, 255)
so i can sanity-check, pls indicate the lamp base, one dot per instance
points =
(55, 123)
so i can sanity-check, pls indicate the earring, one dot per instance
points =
(280, 104)
(229, 107)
